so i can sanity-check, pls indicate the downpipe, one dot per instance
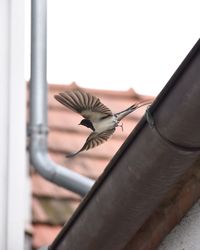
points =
(38, 129)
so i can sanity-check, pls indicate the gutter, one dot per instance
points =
(38, 128)
(150, 161)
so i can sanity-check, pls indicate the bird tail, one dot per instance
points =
(129, 110)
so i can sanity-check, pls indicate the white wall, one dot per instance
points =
(186, 235)
(12, 125)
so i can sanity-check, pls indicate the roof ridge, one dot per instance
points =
(127, 93)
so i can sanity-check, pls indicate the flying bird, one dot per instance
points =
(97, 116)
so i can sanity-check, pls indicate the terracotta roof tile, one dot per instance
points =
(59, 120)
(56, 88)
(52, 211)
(115, 100)
(91, 167)
(38, 211)
(67, 143)
(53, 205)
(44, 234)
(44, 188)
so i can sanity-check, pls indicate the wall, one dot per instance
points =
(186, 235)
(12, 125)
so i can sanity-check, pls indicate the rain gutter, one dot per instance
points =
(38, 128)
(150, 161)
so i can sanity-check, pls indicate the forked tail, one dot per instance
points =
(129, 110)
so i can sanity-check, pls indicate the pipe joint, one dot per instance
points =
(38, 129)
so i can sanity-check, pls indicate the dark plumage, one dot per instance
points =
(87, 123)
(97, 116)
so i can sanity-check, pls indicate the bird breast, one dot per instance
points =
(105, 124)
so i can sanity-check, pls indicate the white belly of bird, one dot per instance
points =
(105, 124)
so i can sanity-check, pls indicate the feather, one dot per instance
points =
(89, 106)
(94, 140)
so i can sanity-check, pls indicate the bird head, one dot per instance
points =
(87, 123)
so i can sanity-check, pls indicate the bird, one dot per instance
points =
(97, 117)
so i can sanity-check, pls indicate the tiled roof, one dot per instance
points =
(53, 205)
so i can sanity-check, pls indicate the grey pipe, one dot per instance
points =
(38, 109)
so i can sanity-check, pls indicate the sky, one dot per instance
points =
(115, 44)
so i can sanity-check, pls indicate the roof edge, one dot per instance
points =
(132, 183)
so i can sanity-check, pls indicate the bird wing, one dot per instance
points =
(94, 140)
(89, 106)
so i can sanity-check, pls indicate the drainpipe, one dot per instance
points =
(149, 163)
(38, 109)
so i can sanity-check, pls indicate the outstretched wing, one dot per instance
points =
(94, 140)
(89, 106)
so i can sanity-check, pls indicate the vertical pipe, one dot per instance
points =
(38, 62)
(38, 109)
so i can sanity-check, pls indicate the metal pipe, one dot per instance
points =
(144, 169)
(38, 109)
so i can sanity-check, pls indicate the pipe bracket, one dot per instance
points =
(38, 129)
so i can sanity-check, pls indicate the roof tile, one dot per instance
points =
(67, 143)
(44, 188)
(53, 205)
(52, 211)
(43, 235)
